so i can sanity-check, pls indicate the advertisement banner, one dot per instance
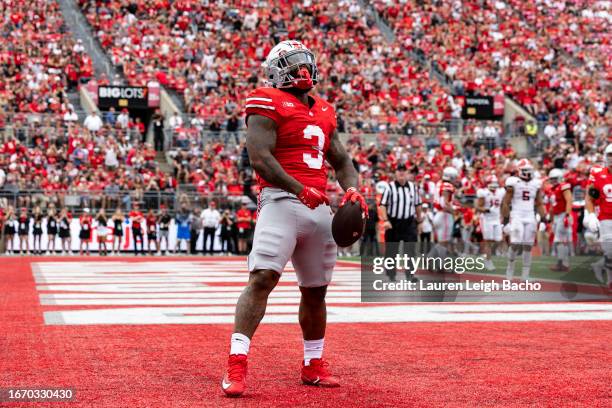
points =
(120, 97)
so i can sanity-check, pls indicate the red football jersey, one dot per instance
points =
(557, 199)
(601, 179)
(443, 186)
(302, 133)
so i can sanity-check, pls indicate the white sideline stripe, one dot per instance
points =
(209, 292)
(261, 106)
(336, 314)
(202, 293)
(293, 300)
(259, 99)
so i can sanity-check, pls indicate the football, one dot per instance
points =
(348, 224)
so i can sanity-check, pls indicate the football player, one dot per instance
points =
(444, 219)
(488, 205)
(523, 197)
(291, 133)
(599, 195)
(561, 206)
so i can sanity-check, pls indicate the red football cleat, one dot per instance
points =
(234, 383)
(317, 374)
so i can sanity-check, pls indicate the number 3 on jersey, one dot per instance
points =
(314, 162)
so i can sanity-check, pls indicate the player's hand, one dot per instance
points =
(312, 198)
(387, 225)
(567, 221)
(353, 196)
(590, 222)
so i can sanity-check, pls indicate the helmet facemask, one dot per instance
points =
(526, 173)
(293, 69)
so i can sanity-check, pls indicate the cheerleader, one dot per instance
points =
(51, 231)
(9, 231)
(118, 220)
(37, 230)
(151, 220)
(23, 230)
(102, 231)
(64, 232)
(85, 233)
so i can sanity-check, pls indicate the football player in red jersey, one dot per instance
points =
(444, 219)
(561, 201)
(290, 135)
(599, 194)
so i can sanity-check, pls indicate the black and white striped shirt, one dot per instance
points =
(401, 201)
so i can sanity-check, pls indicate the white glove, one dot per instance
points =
(590, 222)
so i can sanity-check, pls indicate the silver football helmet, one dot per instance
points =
(290, 64)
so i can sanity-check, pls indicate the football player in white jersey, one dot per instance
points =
(523, 197)
(488, 205)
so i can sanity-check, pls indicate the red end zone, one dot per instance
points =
(135, 332)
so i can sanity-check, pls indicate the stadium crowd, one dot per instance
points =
(212, 53)
(39, 60)
(552, 57)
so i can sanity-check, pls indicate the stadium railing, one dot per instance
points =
(185, 195)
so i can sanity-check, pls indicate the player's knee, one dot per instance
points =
(263, 281)
(313, 295)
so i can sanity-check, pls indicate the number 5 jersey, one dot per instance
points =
(523, 197)
(303, 133)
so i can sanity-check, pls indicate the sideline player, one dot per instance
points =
(290, 135)
(561, 207)
(523, 196)
(488, 205)
(599, 194)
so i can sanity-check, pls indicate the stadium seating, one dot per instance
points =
(212, 55)
(549, 57)
(39, 60)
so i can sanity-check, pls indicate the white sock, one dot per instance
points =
(510, 266)
(526, 263)
(240, 344)
(313, 349)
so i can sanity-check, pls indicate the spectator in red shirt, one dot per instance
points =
(151, 220)
(244, 225)
(136, 218)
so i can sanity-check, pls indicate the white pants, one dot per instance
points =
(287, 229)
(491, 229)
(563, 234)
(523, 230)
(443, 226)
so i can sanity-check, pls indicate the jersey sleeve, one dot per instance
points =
(260, 102)
(593, 173)
(565, 186)
(511, 182)
(537, 183)
(481, 193)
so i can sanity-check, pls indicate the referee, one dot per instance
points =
(401, 214)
